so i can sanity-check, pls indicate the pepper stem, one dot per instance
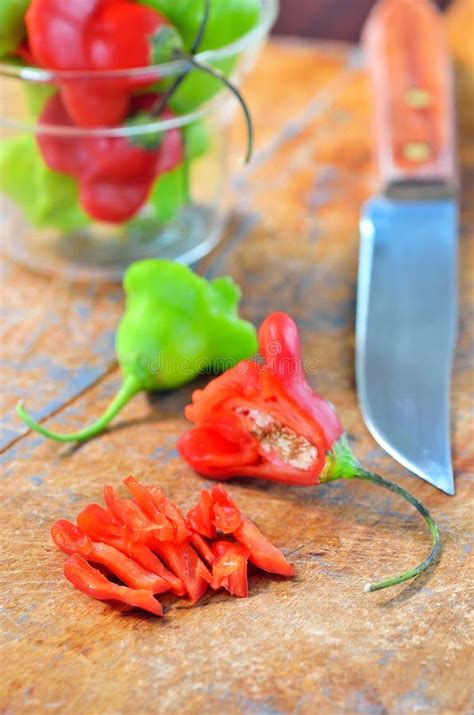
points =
(436, 541)
(129, 388)
(217, 74)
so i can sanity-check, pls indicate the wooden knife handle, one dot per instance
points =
(412, 84)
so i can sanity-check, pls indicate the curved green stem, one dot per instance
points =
(202, 27)
(217, 74)
(129, 388)
(436, 541)
(164, 99)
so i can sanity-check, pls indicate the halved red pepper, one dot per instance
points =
(72, 540)
(262, 420)
(92, 582)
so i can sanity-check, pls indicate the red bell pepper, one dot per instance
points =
(262, 420)
(97, 36)
(115, 174)
(92, 582)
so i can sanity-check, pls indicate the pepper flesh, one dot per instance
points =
(71, 539)
(265, 421)
(122, 539)
(92, 582)
(262, 420)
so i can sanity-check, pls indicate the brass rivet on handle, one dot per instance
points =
(417, 151)
(417, 98)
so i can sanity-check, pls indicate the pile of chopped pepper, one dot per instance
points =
(148, 544)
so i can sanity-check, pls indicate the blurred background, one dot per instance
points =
(328, 19)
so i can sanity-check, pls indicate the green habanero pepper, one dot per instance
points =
(175, 326)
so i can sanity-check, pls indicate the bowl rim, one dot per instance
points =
(44, 76)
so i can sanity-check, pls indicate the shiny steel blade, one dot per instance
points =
(406, 331)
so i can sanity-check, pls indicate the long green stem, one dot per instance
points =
(217, 74)
(129, 388)
(164, 99)
(436, 541)
(213, 72)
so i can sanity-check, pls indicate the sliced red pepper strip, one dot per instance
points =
(100, 525)
(229, 570)
(172, 513)
(202, 548)
(199, 518)
(262, 552)
(141, 527)
(262, 420)
(184, 562)
(227, 516)
(91, 581)
(71, 539)
(160, 510)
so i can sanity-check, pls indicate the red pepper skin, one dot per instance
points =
(139, 527)
(94, 35)
(225, 443)
(202, 547)
(262, 552)
(229, 570)
(91, 581)
(115, 175)
(158, 507)
(70, 539)
(100, 525)
(184, 562)
(200, 517)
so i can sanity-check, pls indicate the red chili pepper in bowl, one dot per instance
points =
(97, 36)
(115, 174)
(264, 420)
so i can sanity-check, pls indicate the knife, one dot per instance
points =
(407, 314)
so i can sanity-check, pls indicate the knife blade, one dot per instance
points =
(407, 316)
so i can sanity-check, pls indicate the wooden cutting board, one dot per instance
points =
(315, 644)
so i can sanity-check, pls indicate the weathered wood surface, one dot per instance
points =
(316, 644)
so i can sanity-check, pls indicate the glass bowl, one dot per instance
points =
(156, 187)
